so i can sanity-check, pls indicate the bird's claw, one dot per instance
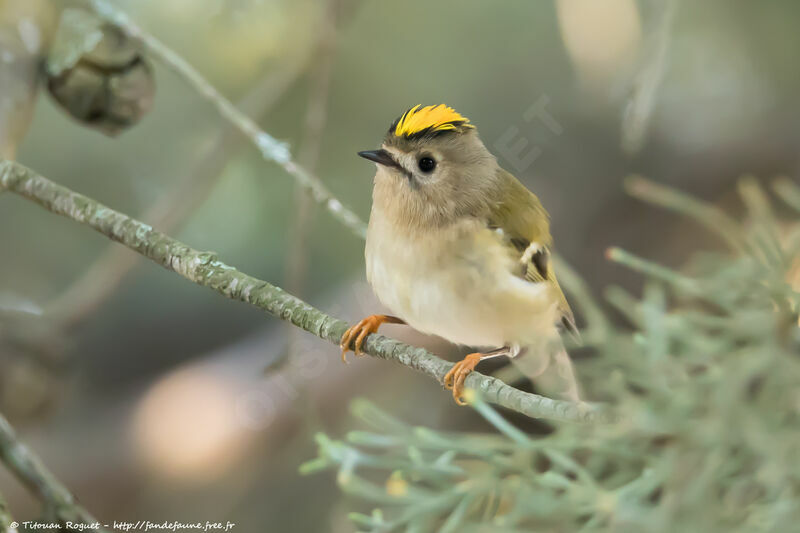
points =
(359, 332)
(454, 379)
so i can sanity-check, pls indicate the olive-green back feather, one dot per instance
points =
(523, 220)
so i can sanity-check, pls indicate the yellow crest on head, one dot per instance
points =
(429, 119)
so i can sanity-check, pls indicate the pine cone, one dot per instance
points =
(98, 74)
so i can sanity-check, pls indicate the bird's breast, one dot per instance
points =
(455, 282)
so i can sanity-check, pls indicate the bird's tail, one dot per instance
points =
(548, 365)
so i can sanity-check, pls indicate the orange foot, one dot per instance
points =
(454, 379)
(360, 331)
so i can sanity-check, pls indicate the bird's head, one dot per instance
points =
(432, 166)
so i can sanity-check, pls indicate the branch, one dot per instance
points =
(270, 148)
(203, 268)
(30, 470)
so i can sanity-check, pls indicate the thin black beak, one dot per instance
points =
(382, 157)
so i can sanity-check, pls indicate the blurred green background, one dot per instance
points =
(158, 406)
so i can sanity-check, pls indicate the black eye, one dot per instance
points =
(426, 164)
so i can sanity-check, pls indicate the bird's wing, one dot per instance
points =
(525, 227)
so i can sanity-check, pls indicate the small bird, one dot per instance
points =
(458, 247)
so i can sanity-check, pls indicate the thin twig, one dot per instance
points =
(316, 118)
(710, 216)
(29, 469)
(639, 110)
(653, 270)
(269, 147)
(203, 268)
(786, 189)
(19, 67)
(171, 209)
(5, 517)
(310, 146)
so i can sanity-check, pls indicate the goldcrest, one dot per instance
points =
(458, 247)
